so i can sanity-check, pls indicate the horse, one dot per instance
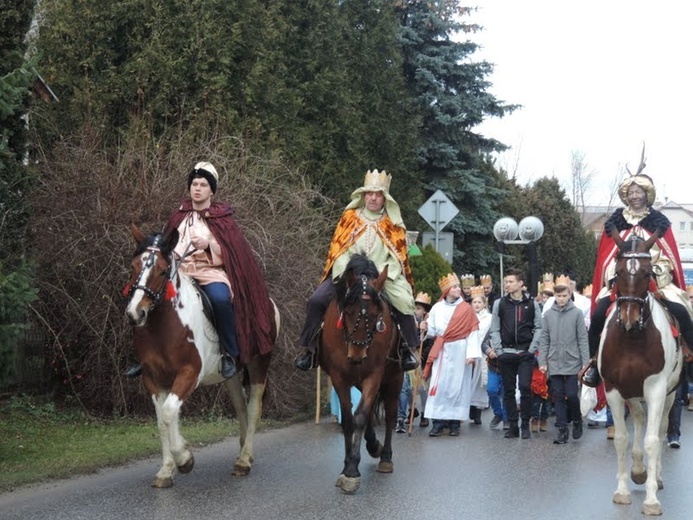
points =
(178, 348)
(639, 359)
(358, 347)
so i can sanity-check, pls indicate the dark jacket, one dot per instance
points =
(515, 325)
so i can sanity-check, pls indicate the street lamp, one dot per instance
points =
(530, 229)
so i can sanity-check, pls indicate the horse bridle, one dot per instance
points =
(363, 314)
(632, 256)
(149, 262)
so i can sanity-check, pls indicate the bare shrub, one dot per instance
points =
(86, 199)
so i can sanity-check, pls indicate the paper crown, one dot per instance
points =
(477, 291)
(448, 281)
(423, 298)
(689, 289)
(587, 290)
(562, 281)
(467, 280)
(547, 277)
(485, 280)
(545, 287)
(377, 181)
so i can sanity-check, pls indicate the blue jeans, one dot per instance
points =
(494, 388)
(674, 429)
(405, 397)
(567, 401)
(224, 317)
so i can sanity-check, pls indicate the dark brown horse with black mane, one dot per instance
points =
(639, 360)
(359, 348)
(178, 348)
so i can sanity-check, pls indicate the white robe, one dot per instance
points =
(451, 377)
(480, 374)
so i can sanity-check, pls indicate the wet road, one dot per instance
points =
(477, 475)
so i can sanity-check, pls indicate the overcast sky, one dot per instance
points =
(597, 77)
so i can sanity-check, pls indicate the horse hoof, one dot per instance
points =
(240, 470)
(377, 452)
(652, 509)
(348, 485)
(638, 478)
(162, 483)
(385, 467)
(188, 466)
(623, 499)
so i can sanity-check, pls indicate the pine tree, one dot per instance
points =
(452, 95)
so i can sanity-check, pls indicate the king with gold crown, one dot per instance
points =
(371, 225)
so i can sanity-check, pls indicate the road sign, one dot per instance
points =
(438, 210)
(444, 245)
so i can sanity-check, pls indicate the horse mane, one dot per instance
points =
(149, 241)
(359, 265)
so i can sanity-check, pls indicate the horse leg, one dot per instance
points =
(348, 481)
(390, 393)
(167, 422)
(617, 404)
(656, 428)
(638, 472)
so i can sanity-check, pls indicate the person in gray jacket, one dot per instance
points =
(563, 351)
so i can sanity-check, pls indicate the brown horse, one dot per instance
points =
(639, 359)
(178, 348)
(359, 348)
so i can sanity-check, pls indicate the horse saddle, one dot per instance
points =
(206, 304)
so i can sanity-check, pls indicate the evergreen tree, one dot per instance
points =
(428, 269)
(451, 90)
(16, 76)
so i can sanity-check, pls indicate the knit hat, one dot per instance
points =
(207, 171)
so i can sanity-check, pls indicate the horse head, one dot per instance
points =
(150, 273)
(633, 276)
(362, 309)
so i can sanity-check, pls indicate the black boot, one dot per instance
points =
(455, 427)
(306, 360)
(513, 431)
(438, 427)
(561, 436)
(577, 429)
(134, 370)
(408, 359)
(228, 366)
(591, 376)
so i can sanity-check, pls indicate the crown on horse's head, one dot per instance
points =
(377, 181)
(448, 281)
(562, 281)
(477, 291)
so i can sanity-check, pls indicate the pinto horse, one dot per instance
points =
(359, 348)
(639, 359)
(178, 348)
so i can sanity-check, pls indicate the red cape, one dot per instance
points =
(252, 306)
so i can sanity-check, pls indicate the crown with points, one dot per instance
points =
(448, 281)
(468, 280)
(547, 277)
(477, 291)
(377, 181)
(423, 298)
(587, 290)
(485, 280)
(562, 281)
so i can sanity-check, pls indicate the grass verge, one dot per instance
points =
(39, 443)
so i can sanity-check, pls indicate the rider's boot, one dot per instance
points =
(134, 370)
(306, 359)
(410, 337)
(591, 376)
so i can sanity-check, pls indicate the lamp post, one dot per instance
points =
(530, 229)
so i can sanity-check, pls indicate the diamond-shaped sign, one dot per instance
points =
(438, 210)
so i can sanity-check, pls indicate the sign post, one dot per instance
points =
(438, 211)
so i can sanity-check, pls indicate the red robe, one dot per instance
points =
(252, 306)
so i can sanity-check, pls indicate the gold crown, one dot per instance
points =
(547, 277)
(562, 281)
(467, 280)
(587, 290)
(448, 281)
(485, 280)
(477, 291)
(377, 181)
(423, 297)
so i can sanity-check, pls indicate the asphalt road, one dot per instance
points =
(477, 475)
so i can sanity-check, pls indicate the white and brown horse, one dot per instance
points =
(639, 360)
(178, 348)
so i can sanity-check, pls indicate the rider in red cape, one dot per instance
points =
(641, 219)
(253, 311)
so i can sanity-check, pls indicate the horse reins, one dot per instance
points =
(363, 314)
(632, 256)
(148, 263)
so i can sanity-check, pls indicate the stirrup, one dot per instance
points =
(306, 360)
